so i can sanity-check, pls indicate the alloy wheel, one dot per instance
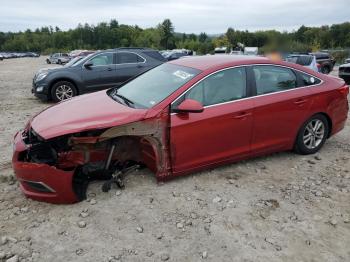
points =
(314, 133)
(64, 92)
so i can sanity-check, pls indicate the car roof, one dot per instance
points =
(210, 61)
(128, 49)
(298, 55)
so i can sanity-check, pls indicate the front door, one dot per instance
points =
(101, 74)
(222, 131)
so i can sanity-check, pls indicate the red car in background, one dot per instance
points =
(180, 117)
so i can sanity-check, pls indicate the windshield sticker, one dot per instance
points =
(152, 102)
(182, 74)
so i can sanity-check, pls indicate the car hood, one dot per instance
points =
(48, 69)
(82, 113)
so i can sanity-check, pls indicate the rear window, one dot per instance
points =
(128, 58)
(322, 56)
(309, 80)
(155, 55)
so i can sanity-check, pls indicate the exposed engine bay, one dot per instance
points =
(103, 154)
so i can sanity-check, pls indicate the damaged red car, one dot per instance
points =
(180, 117)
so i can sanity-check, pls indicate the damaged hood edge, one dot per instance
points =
(83, 113)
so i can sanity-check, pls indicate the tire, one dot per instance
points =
(325, 70)
(59, 62)
(312, 135)
(63, 90)
(48, 61)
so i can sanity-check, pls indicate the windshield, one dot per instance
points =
(73, 61)
(154, 86)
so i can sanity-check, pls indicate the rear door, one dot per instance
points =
(222, 131)
(101, 74)
(281, 106)
(129, 64)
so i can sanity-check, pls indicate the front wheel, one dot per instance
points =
(63, 90)
(48, 61)
(312, 135)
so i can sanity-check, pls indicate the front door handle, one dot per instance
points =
(300, 101)
(109, 69)
(242, 115)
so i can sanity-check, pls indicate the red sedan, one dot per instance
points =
(178, 118)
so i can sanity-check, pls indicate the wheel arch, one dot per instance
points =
(330, 126)
(55, 81)
(329, 121)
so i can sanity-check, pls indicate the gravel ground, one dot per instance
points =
(282, 207)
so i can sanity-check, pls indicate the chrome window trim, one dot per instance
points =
(144, 59)
(251, 97)
(108, 52)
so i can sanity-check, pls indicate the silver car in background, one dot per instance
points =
(58, 58)
(308, 61)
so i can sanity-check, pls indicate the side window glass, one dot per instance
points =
(223, 86)
(102, 59)
(308, 80)
(127, 58)
(270, 79)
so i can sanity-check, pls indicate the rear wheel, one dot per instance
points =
(312, 135)
(63, 90)
(48, 61)
(325, 70)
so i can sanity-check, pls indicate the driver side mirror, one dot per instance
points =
(88, 65)
(189, 106)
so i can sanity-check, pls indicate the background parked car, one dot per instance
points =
(58, 58)
(325, 60)
(236, 52)
(176, 53)
(7, 55)
(32, 54)
(347, 60)
(101, 70)
(344, 72)
(308, 61)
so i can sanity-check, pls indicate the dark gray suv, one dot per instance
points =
(98, 71)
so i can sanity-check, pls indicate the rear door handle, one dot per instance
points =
(300, 101)
(109, 69)
(242, 115)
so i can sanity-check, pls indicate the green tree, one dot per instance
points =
(166, 29)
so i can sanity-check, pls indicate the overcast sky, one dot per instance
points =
(195, 16)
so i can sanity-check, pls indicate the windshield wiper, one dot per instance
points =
(126, 101)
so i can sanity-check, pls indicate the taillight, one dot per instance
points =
(318, 67)
(344, 90)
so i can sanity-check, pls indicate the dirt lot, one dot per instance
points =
(282, 207)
